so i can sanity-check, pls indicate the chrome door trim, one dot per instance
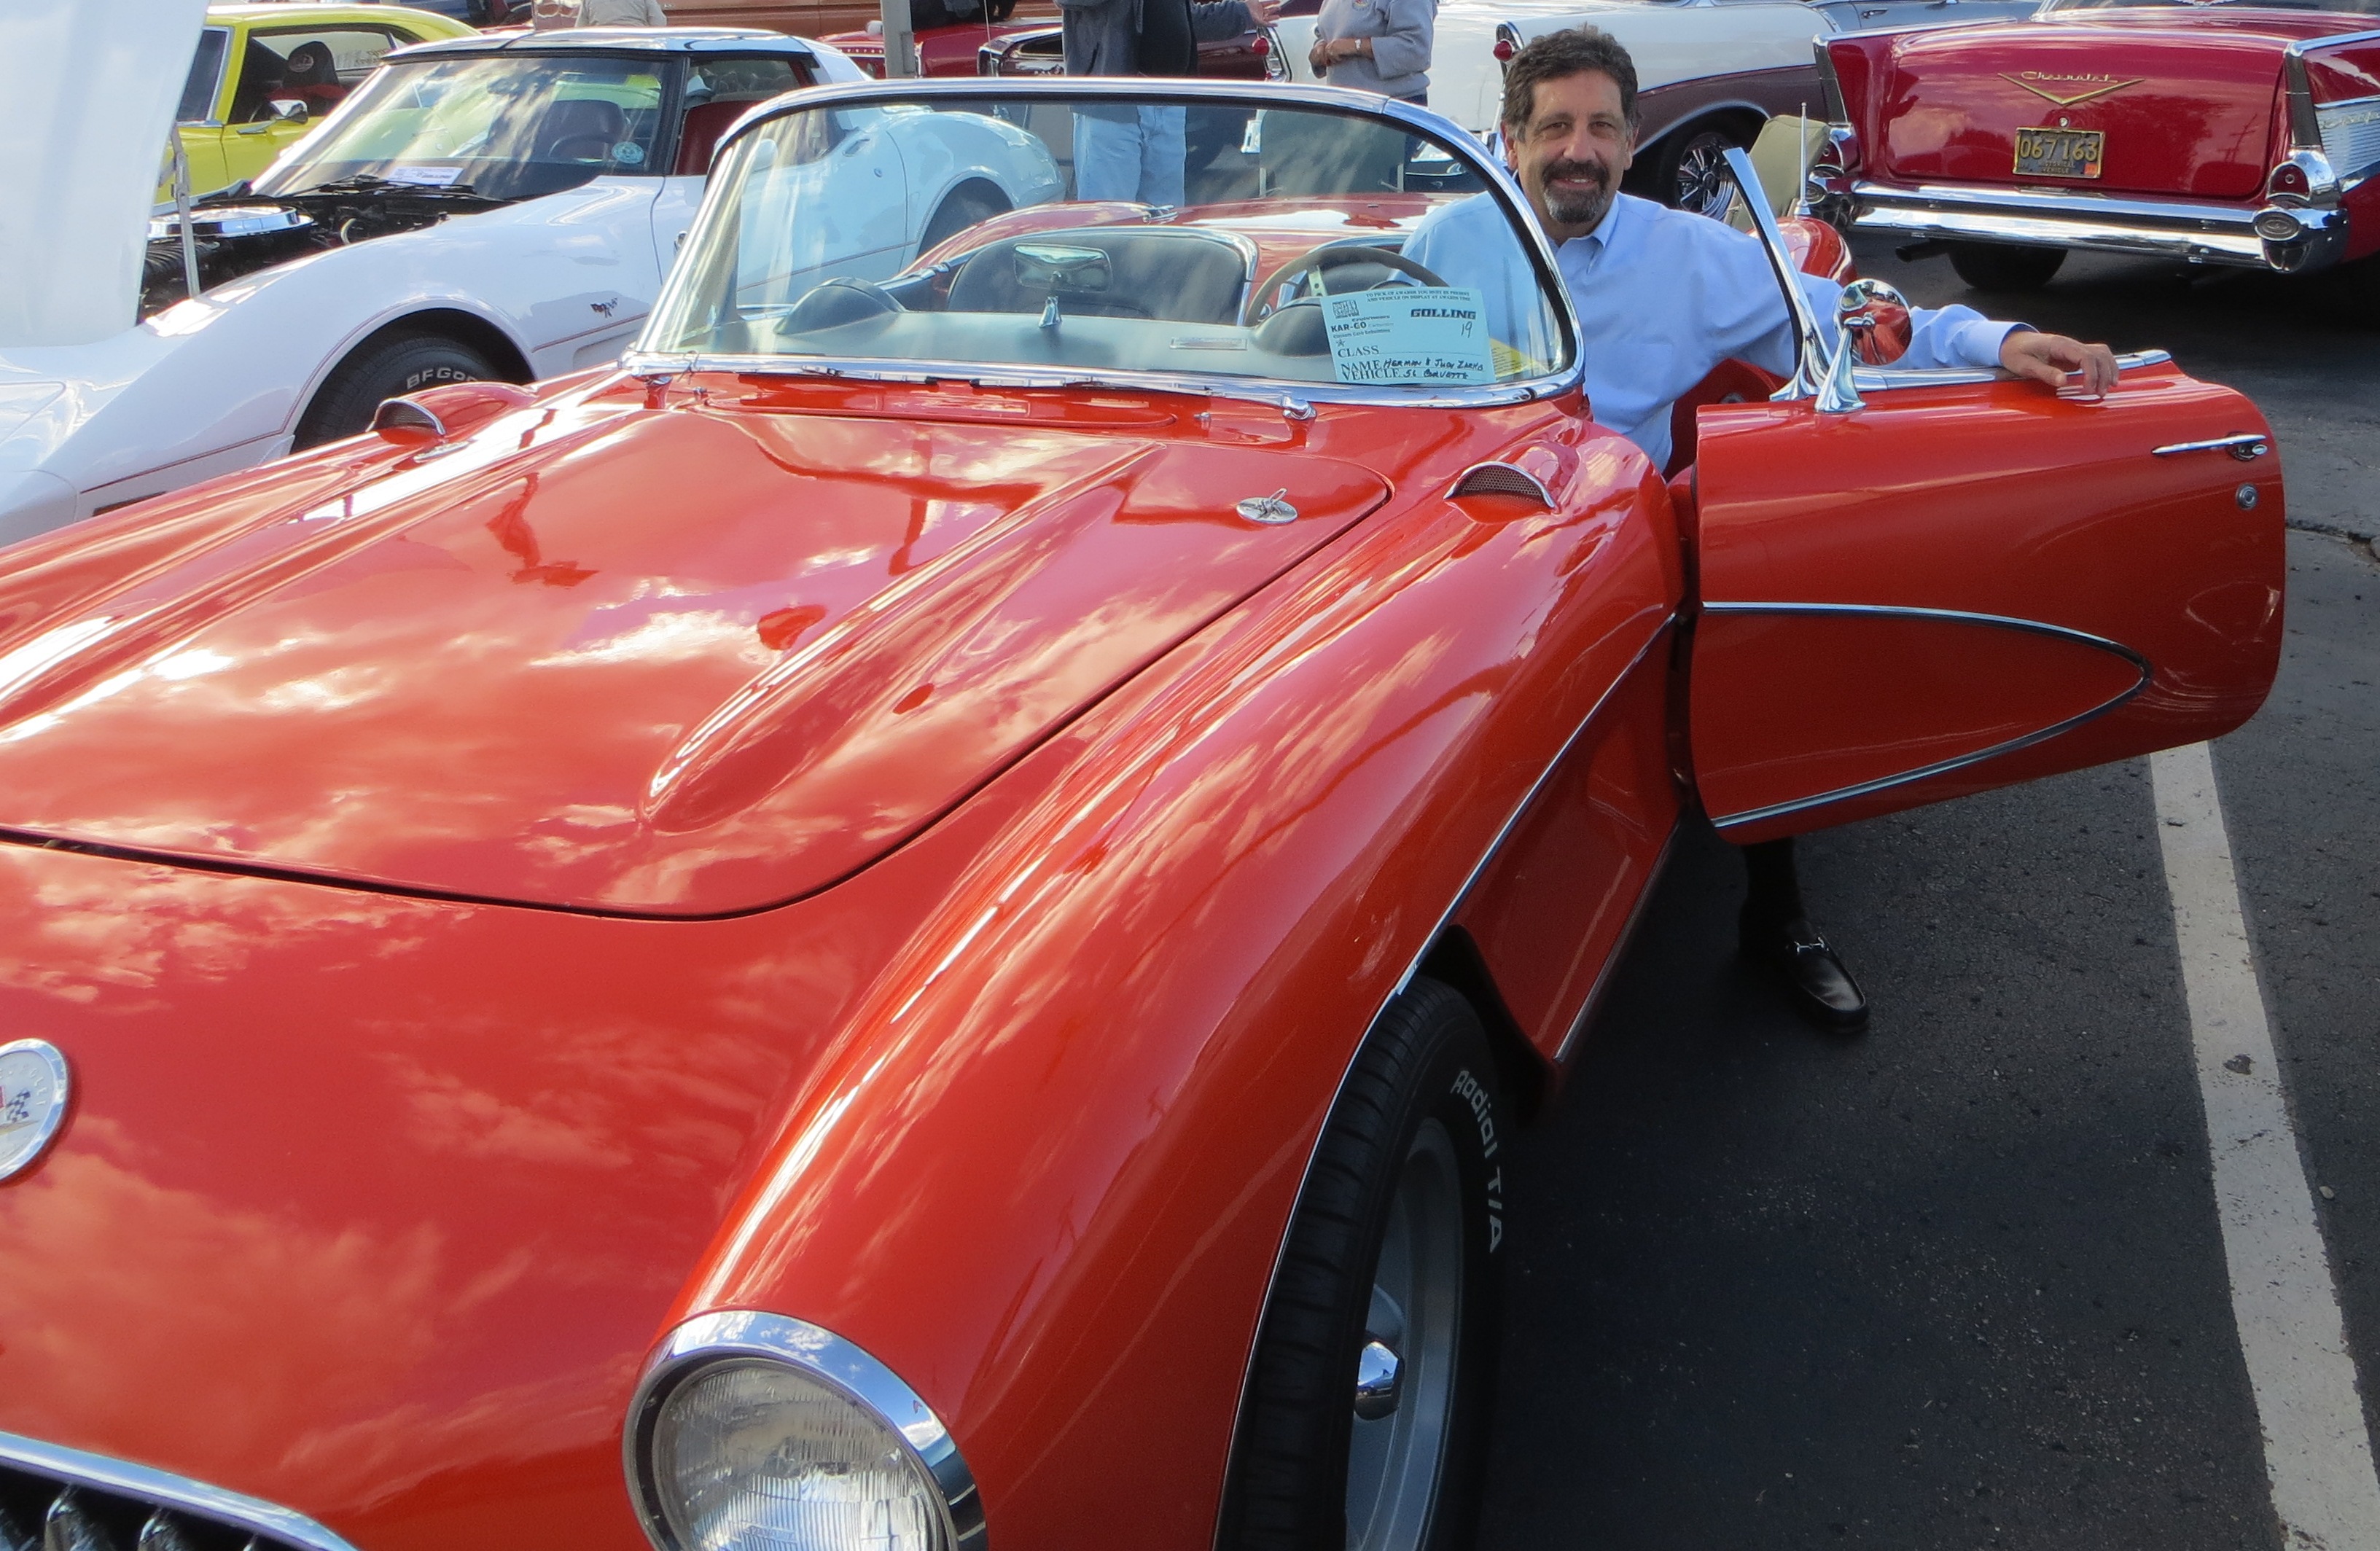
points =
(1958, 762)
(77, 1467)
(1437, 929)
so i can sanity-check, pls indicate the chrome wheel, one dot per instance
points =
(1701, 183)
(1404, 1378)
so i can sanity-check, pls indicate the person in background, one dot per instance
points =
(1124, 152)
(1665, 295)
(1376, 45)
(622, 13)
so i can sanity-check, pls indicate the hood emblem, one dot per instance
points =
(1272, 509)
(33, 1102)
(2038, 82)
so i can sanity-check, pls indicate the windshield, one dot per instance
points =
(508, 128)
(1044, 230)
(2337, 7)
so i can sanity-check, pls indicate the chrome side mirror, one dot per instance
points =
(1876, 322)
(1874, 326)
(289, 110)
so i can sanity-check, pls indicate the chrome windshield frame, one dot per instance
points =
(643, 362)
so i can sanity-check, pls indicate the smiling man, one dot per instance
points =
(1664, 296)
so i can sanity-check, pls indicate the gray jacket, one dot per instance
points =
(1401, 32)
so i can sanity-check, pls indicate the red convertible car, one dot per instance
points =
(2227, 132)
(921, 920)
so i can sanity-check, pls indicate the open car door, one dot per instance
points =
(1958, 581)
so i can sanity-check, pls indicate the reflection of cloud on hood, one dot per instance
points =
(75, 932)
(129, 1290)
(451, 1116)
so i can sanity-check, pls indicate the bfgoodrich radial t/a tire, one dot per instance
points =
(388, 369)
(1363, 1418)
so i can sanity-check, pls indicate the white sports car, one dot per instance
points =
(494, 207)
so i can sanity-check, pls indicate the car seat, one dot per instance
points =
(260, 75)
(1179, 274)
(1781, 157)
(699, 140)
(312, 76)
(580, 129)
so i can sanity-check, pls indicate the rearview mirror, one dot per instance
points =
(289, 110)
(1050, 266)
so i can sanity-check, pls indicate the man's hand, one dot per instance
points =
(1265, 11)
(2050, 357)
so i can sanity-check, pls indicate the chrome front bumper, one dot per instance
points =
(2284, 238)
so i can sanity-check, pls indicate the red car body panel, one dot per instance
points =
(2186, 109)
(2192, 101)
(375, 1200)
(1910, 690)
(830, 679)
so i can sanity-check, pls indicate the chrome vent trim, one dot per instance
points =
(2351, 134)
(132, 1508)
(1500, 478)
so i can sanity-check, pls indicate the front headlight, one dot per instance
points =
(753, 1431)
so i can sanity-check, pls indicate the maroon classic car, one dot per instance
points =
(2236, 132)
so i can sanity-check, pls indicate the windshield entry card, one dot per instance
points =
(1410, 334)
(431, 178)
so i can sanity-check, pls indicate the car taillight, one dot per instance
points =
(1263, 45)
(2289, 178)
(1504, 49)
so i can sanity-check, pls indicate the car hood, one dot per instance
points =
(83, 162)
(690, 661)
(2187, 109)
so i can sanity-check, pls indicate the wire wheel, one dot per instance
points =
(1698, 178)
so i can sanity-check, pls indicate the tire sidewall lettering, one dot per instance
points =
(1478, 1101)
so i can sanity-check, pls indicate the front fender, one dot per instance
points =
(1046, 1173)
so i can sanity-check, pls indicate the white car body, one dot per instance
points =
(1695, 60)
(220, 382)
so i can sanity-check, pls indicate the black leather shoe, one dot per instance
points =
(1817, 985)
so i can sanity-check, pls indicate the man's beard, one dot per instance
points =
(1573, 207)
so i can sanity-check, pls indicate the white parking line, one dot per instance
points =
(2317, 1451)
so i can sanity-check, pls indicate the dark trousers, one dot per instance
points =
(1772, 895)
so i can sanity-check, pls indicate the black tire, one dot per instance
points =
(1996, 266)
(2356, 288)
(1411, 1157)
(1689, 171)
(390, 369)
(961, 208)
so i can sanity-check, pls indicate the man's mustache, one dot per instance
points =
(1560, 171)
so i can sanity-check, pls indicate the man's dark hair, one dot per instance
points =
(1567, 52)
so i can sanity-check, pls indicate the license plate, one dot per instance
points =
(2059, 152)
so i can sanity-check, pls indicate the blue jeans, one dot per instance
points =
(1141, 159)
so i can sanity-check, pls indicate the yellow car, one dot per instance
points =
(264, 72)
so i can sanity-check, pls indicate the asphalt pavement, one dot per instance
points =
(1959, 1281)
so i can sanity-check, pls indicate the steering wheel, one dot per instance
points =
(1324, 260)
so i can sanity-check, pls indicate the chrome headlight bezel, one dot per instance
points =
(704, 1342)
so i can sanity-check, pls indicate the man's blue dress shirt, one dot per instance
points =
(1663, 296)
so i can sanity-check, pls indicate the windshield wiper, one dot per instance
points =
(371, 183)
